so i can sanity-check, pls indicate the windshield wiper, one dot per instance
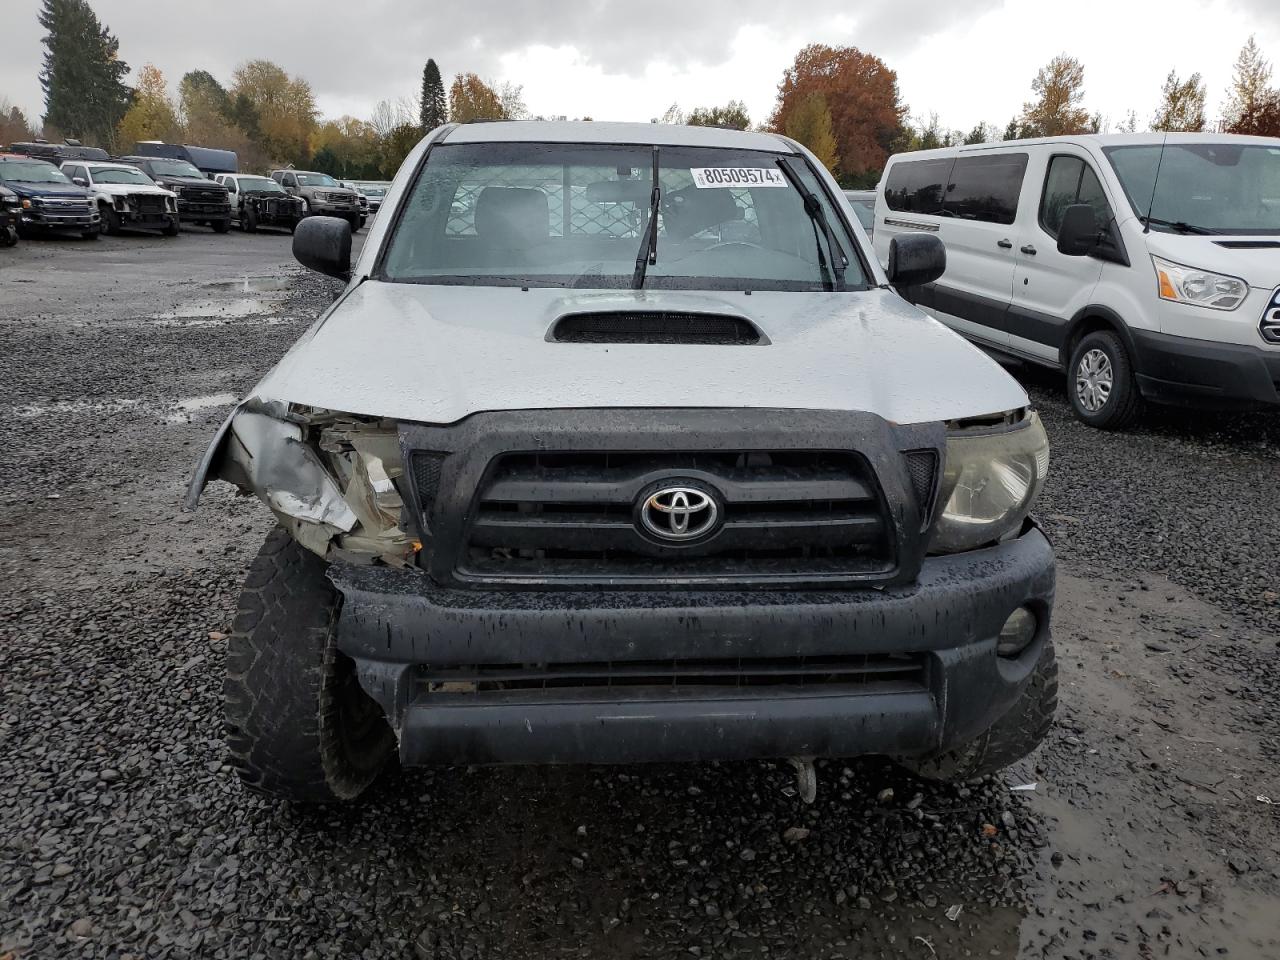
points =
(1180, 226)
(648, 253)
(833, 278)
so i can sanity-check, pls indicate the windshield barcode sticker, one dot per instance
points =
(737, 177)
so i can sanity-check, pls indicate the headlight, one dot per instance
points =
(1199, 287)
(989, 484)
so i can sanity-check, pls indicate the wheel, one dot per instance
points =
(1100, 382)
(354, 223)
(220, 226)
(298, 725)
(172, 229)
(8, 236)
(250, 221)
(1009, 739)
(108, 220)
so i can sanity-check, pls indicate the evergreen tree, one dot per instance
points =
(435, 108)
(83, 76)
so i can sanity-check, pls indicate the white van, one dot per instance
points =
(1144, 265)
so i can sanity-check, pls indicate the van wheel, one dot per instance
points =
(1009, 739)
(1101, 384)
(298, 724)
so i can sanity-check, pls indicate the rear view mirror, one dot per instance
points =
(1078, 234)
(916, 259)
(619, 191)
(323, 244)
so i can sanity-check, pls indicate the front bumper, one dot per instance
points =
(1206, 373)
(192, 210)
(328, 209)
(59, 221)
(397, 625)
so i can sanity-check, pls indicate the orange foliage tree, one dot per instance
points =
(867, 113)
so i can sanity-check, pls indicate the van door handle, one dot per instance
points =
(1028, 249)
(1004, 244)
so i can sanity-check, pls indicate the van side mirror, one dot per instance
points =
(323, 244)
(916, 259)
(1078, 234)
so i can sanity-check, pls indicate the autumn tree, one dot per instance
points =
(353, 147)
(82, 75)
(1253, 106)
(152, 115)
(281, 108)
(732, 116)
(470, 98)
(434, 106)
(1181, 105)
(810, 123)
(511, 96)
(861, 94)
(1057, 109)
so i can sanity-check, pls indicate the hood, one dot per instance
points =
(166, 181)
(1253, 258)
(437, 354)
(47, 189)
(270, 194)
(125, 189)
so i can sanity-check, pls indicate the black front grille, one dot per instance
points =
(851, 672)
(148, 203)
(574, 516)
(196, 195)
(655, 327)
(1271, 320)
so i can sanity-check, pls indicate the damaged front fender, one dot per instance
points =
(337, 496)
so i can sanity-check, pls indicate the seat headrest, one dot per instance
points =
(513, 216)
(693, 209)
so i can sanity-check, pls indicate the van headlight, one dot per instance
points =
(988, 485)
(1200, 288)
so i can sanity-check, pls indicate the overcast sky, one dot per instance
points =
(969, 61)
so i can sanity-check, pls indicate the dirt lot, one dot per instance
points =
(123, 832)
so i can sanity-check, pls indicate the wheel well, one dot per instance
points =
(1091, 321)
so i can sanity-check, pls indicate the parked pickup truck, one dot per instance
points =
(260, 202)
(10, 211)
(321, 195)
(621, 446)
(126, 197)
(47, 199)
(200, 200)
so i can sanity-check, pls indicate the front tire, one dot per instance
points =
(298, 725)
(108, 220)
(220, 226)
(250, 221)
(1101, 384)
(172, 229)
(1007, 740)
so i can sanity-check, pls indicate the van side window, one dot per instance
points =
(916, 186)
(1070, 180)
(985, 187)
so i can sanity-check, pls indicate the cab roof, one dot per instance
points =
(593, 131)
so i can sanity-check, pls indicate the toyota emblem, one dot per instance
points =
(678, 513)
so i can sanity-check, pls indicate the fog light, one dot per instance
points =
(1018, 631)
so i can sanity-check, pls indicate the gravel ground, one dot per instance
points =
(123, 832)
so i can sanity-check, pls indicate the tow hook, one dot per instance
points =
(806, 778)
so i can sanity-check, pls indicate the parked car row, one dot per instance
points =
(70, 187)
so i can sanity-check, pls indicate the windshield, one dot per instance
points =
(32, 171)
(263, 184)
(316, 180)
(116, 175)
(174, 168)
(1215, 186)
(576, 215)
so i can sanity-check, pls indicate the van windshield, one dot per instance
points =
(1219, 187)
(576, 215)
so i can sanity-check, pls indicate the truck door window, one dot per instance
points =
(1069, 181)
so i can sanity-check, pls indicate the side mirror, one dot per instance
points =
(323, 244)
(80, 181)
(916, 259)
(1078, 234)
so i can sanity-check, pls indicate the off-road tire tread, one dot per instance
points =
(280, 711)
(1009, 739)
(1126, 398)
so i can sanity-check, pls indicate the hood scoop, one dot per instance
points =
(654, 326)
